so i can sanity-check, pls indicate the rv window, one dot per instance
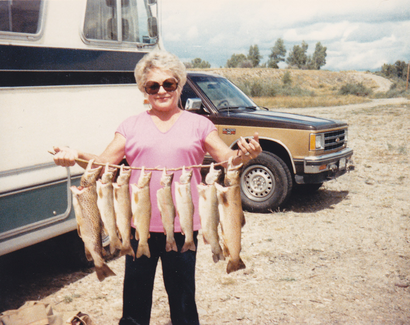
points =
(101, 21)
(20, 16)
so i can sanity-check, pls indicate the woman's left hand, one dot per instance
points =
(249, 148)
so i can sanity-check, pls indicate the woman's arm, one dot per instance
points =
(113, 154)
(221, 152)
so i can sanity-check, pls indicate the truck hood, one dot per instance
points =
(262, 118)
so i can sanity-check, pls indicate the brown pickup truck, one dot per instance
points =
(298, 151)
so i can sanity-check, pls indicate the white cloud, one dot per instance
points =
(357, 34)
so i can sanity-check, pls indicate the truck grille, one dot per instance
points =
(335, 139)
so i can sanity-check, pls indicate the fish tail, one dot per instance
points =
(188, 246)
(127, 250)
(235, 265)
(104, 272)
(143, 249)
(171, 246)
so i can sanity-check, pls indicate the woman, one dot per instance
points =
(164, 136)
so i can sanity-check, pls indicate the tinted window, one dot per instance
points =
(187, 92)
(102, 16)
(20, 16)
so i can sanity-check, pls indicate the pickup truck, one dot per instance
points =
(298, 151)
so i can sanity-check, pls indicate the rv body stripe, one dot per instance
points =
(33, 58)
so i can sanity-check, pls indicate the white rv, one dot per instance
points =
(66, 78)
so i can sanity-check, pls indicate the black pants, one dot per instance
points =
(179, 280)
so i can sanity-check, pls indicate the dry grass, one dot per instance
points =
(307, 101)
(324, 85)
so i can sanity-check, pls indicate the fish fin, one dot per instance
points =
(243, 220)
(225, 250)
(235, 266)
(115, 244)
(127, 250)
(99, 190)
(79, 231)
(171, 246)
(143, 250)
(188, 246)
(88, 254)
(104, 272)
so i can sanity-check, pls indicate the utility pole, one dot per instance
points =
(408, 71)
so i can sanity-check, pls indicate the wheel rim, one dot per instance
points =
(258, 183)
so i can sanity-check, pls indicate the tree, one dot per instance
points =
(235, 60)
(319, 57)
(298, 57)
(278, 54)
(401, 69)
(396, 70)
(197, 63)
(254, 55)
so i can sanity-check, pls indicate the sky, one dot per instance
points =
(358, 34)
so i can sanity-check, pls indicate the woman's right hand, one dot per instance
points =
(65, 156)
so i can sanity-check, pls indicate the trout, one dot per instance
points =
(185, 209)
(122, 208)
(231, 216)
(167, 209)
(141, 211)
(209, 214)
(89, 227)
(105, 202)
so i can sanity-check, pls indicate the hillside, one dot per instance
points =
(307, 88)
(315, 80)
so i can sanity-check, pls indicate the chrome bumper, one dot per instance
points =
(334, 162)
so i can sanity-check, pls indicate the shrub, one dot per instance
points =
(286, 78)
(355, 89)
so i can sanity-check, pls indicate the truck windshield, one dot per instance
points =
(121, 21)
(223, 93)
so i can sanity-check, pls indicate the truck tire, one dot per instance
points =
(266, 183)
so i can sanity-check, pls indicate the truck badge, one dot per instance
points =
(228, 131)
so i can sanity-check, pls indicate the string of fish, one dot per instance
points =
(102, 206)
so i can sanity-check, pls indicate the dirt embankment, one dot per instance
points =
(316, 80)
(337, 256)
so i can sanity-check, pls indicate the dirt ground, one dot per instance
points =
(337, 256)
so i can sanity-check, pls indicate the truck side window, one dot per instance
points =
(102, 17)
(20, 16)
(187, 92)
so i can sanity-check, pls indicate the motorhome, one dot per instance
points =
(66, 78)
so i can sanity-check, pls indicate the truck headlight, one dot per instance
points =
(317, 141)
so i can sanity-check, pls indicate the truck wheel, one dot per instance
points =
(266, 183)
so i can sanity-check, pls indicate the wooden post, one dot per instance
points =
(408, 71)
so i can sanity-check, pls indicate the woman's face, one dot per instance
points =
(163, 101)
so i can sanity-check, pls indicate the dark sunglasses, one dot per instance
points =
(169, 85)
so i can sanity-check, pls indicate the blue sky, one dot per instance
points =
(358, 34)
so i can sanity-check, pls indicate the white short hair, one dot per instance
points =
(159, 60)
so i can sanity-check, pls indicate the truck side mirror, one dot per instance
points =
(193, 104)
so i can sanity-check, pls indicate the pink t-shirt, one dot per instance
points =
(182, 145)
